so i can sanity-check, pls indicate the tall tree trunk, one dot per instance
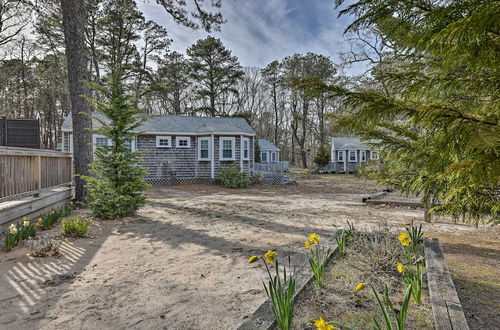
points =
(74, 18)
(276, 117)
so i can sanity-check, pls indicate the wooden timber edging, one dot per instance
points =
(394, 202)
(263, 318)
(373, 196)
(33, 207)
(446, 307)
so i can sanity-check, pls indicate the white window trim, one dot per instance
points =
(97, 136)
(209, 149)
(133, 145)
(71, 143)
(183, 138)
(355, 156)
(163, 137)
(243, 140)
(273, 153)
(377, 153)
(340, 155)
(262, 158)
(363, 155)
(233, 149)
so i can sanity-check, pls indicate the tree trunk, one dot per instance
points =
(74, 18)
(276, 116)
(427, 207)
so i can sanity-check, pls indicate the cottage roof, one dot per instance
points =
(168, 124)
(350, 143)
(266, 145)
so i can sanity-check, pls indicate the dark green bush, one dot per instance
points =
(233, 177)
(322, 156)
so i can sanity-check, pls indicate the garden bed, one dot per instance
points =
(370, 280)
(370, 258)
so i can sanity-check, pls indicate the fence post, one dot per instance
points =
(39, 172)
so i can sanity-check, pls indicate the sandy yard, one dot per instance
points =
(181, 263)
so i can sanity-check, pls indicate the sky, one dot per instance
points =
(260, 31)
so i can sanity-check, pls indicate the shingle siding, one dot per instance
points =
(183, 163)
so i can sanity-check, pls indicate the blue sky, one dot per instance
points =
(260, 31)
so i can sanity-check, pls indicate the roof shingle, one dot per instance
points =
(182, 125)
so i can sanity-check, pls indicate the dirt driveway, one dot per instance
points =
(181, 263)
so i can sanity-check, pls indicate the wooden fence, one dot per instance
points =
(24, 170)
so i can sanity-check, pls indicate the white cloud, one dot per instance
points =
(260, 31)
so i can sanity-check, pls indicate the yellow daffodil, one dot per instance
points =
(307, 244)
(400, 267)
(24, 218)
(360, 286)
(13, 229)
(270, 256)
(253, 259)
(322, 325)
(314, 239)
(404, 239)
(26, 223)
(53, 212)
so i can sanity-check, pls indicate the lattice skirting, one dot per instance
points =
(171, 180)
(272, 179)
(266, 179)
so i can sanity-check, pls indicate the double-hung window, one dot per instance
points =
(226, 146)
(100, 141)
(273, 157)
(363, 155)
(263, 157)
(341, 155)
(245, 152)
(163, 141)
(204, 148)
(183, 142)
(352, 156)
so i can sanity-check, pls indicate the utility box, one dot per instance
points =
(21, 133)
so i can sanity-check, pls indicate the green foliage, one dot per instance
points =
(25, 230)
(115, 189)
(66, 210)
(413, 276)
(389, 313)
(50, 219)
(11, 237)
(76, 227)
(233, 177)
(257, 151)
(341, 242)
(318, 258)
(280, 291)
(322, 156)
(433, 107)
(215, 70)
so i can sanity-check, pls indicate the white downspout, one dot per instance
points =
(241, 153)
(346, 154)
(212, 161)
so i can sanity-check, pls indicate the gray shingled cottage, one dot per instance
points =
(269, 153)
(349, 152)
(185, 149)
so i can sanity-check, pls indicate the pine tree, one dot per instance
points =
(215, 71)
(115, 189)
(322, 156)
(257, 151)
(438, 126)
